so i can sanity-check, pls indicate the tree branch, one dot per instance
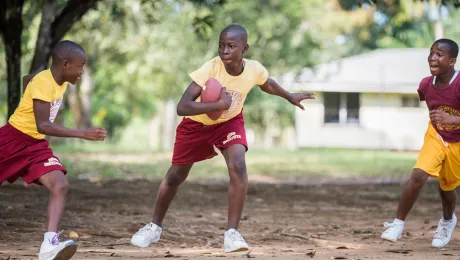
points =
(73, 12)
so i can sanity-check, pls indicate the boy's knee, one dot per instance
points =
(237, 169)
(175, 178)
(60, 187)
(419, 177)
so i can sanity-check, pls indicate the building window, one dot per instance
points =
(341, 108)
(410, 101)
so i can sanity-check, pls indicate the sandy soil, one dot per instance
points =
(280, 221)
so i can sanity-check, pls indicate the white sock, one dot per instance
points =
(398, 221)
(448, 221)
(49, 236)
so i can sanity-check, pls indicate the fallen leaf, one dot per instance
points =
(399, 251)
(248, 254)
(342, 247)
(311, 253)
(168, 254)
(73, 235)
(359, 231)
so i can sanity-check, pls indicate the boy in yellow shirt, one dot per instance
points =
(197, 134)
(25, 153)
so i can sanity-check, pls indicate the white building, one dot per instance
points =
(368, 101)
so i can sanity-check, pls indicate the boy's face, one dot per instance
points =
(440, 60)
(232, 48)
(73, 68)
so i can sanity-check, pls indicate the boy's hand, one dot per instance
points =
(296, 98)
(441, 117)
(225, 99)
(95, 134)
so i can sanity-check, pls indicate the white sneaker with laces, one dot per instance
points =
(52, 249)
(150, 233)
(234, 242)
(394, 230)
(444, 232)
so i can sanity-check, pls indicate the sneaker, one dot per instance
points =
(146, 235)
(444, 232)
(53, 249)
(394, 231)
(234, 242)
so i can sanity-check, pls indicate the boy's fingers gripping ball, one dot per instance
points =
(211, 92)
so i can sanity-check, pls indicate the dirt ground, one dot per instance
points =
(280, 221)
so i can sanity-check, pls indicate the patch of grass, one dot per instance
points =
(278, 163)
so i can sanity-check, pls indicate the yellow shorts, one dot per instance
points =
(440, 159)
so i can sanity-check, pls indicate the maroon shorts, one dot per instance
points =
(24, 156)
(195, 142)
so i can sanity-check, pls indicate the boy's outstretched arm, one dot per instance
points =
(271, 87)
(444, 118)
(188, 107)
(44, 126)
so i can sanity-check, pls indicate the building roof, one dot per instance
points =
(383, 70)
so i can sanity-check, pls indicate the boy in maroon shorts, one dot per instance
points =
(25, 153)
(197, 134)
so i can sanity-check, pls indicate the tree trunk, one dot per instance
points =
(11, 30)
(169, 124)
(39, 62)
(438, 26)
(85, 91)
(74, 104)
(79, 99)
(65, 18)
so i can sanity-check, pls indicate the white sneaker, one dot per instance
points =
(52, 249)
(146, 235)
(444, 232)
(394, 230)
(234, 242)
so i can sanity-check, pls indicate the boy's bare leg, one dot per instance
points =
(151, 232)
(238, 185)
(52, 248)
(410, 194)
(411, 191)
(448, 222)
(175, 176)
(237, 189)
(58, 186)
(449, 200)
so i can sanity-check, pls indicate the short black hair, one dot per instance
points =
(238, 29)
(65, 50)
(453, 46)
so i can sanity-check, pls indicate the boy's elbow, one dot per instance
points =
(41, 128)
(180, 110)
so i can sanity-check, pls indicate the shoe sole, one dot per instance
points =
(391, 240)
(67, 252)
(241, 249)
(440, 247)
